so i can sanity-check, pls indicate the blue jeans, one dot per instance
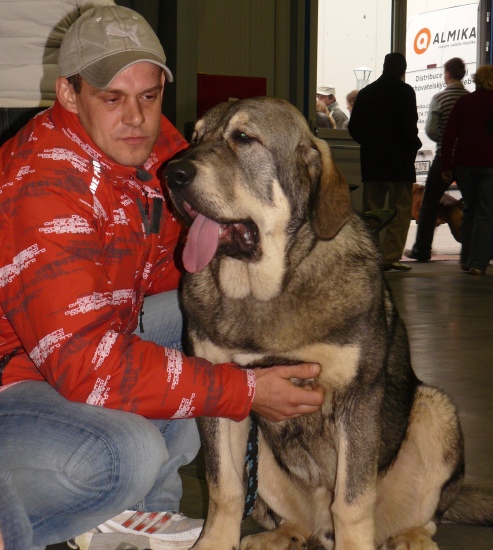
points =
(476, 186)
(66, 467)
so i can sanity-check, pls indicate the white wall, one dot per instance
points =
(415, 7)
(351, 34)
(357, 33)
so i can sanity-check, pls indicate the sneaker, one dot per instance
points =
(165, 526)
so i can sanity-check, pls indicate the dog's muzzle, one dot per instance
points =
(206, 236)
(180, 173)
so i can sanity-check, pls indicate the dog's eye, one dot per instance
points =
(243, 137)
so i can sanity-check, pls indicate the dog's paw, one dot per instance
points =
(418, 538)
(285, 537)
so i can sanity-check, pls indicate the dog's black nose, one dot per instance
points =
(180, 173)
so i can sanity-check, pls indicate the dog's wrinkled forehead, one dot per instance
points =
(264, 119)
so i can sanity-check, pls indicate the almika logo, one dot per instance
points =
(423, 38)
(422, 41)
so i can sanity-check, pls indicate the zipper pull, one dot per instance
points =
(141, 319)
(146, 209)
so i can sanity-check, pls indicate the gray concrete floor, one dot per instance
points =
(448, 314)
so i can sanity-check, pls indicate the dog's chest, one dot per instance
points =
(305, 448)
(312, 308)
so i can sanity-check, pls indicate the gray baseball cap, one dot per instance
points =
(106, 40)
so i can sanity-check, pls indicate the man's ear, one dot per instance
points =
(66, 95)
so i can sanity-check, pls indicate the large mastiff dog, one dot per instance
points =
(282, 270)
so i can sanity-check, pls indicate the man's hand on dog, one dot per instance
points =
(277, 398)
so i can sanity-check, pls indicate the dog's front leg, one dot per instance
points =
(224, 447)
(355, 492)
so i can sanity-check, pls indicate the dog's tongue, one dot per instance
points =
(201, 245)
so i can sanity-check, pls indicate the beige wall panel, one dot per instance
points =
(238, 38)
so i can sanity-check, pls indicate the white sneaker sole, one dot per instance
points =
(115, 541)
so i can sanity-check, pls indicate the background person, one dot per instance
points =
(32, 32)
(468, 146)
(384, 122)
(350, 99)
(439, 111)
(96, 399)
(324, 118)
(326, 94)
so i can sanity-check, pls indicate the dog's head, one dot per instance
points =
(254, 181)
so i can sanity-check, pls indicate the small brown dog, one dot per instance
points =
(450, 210)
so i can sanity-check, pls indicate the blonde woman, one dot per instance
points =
(324, 118)
(350, 99)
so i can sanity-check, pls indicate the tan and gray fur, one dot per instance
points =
(383, 460)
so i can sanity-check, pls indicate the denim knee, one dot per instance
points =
(80, 464)
(117, 467)
(14, 523)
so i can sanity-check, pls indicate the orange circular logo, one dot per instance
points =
(422, 41)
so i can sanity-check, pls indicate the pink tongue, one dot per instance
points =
(201, 245)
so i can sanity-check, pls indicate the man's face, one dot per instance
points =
(327, 99)
(124, 119)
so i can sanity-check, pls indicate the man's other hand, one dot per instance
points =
(277, 398)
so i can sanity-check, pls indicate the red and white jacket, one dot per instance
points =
(82, 241)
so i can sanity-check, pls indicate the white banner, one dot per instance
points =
(432, 39)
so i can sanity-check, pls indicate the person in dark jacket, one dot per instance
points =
(384, 122)
(468, 147)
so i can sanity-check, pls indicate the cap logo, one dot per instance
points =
(132, 33)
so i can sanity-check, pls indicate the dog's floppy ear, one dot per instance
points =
(331, 205)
